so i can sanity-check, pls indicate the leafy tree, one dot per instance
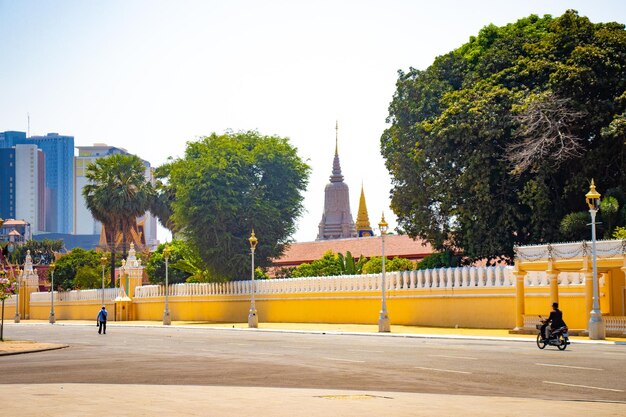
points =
(225, 186)
(117, 193)
(329, 264)
(156, 264)
(574, 226)
(7, 289)
(41, 251)
(67, 267)
(439, 260)
(495, 142)
(375, 265)
(88, 277)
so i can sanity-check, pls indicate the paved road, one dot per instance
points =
(179, 356)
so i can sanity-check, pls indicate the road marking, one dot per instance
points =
(453, 357)
(367, 351)
(442, 370)
(344, 360)
(571, 367)
(583, 386)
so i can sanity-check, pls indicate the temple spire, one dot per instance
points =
(336, 137)
(337, 176)
(363, 227)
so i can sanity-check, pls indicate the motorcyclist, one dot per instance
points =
(555, 320)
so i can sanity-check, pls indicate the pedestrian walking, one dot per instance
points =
(101, 321)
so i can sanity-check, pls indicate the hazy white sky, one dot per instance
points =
(151, 75)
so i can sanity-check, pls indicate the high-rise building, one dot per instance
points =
(58, 154)
(27, 184)
(7, 183)
(59, 160)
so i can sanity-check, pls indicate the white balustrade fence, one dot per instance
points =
(443, 278)
(76, 295)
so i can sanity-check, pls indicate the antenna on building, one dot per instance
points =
(28, 124)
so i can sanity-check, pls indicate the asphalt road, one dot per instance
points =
(179, 356)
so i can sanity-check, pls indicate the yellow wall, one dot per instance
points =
(71, 310)
(485, 307)
(491, 307)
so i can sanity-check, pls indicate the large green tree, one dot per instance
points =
(117, 193)
(496, 142)
(228, 184)
(68, 265)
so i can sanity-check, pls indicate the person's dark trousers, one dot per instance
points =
(103, 327)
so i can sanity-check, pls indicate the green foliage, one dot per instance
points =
(574, 226)
(439, 260)
(155, 267)
(375, 265)
(228, 184)
(88, 277)
(495, 142)
(619, 233)
(329, 264)
(41, 251)
(117, 193)
(67, 267)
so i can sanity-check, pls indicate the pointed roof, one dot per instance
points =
(336, 177)
(362, 218)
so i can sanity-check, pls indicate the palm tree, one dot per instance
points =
(117, 193)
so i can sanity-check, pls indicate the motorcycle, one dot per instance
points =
(557, 337)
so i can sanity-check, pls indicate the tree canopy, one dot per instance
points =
(496, 142)
(225, 186)
(117, 193)
(85, 261)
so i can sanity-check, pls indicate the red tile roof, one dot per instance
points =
(395, 245)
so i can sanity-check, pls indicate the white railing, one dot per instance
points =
(10, 301)
(76, 295)
(570, 250)
(565, 279)
(615, 323)
(464, 277)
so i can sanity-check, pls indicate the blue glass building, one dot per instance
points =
(59, 159)
(7, 183)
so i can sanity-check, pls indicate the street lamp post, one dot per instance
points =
(19, 292)
(167, 319)
(103, 262)
(597, 330)
(253, 319)
(383, 318)
(51, 319)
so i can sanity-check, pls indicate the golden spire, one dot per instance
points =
(362, 219)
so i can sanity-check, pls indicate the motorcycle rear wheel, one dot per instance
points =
(540, 343)
(562, 344)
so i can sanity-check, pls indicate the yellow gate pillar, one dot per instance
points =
(520, 277)
(553, 279)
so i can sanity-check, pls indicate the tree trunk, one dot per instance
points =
(112, 249)
(2, 323)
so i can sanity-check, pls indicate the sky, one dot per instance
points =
(150, 75)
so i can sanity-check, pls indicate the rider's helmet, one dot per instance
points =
(555, 305)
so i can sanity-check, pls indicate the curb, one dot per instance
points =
(20, 352)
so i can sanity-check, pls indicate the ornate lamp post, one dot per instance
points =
(167, 319)
(253, 319)
(18, 293)
(103, 262)
(597, 330)
(51, 319)
(383, 318)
